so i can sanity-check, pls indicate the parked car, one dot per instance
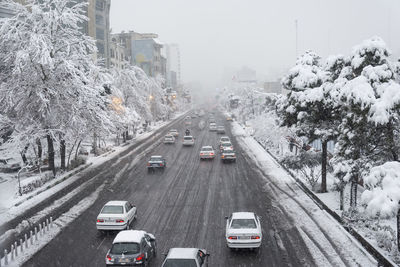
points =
(220, 129)
(188, 140)
(132, 248)
(225, 145)
(228, 155)
(213, 127)
(224, 139)
(116, 215)
(9, 165)
(169, 139)
(243, 230)
(174, 132)
(207, 152)
(186, 257)
(156, 162)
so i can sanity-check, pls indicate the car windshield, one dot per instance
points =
(225, 139)
(206, 149)
(180, 263)
(243, 224)
(226, 144)
(111, 209)
(228, 151)
(187, 138)
(155, 158)
(125, 248)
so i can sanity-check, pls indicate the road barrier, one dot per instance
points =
(26, 242)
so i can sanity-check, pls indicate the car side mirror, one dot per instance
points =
(226, 217)
(208, 254)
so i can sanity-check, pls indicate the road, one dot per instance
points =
(185, 206)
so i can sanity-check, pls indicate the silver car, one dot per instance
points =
(186, 257)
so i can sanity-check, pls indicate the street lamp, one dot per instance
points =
(151, 97)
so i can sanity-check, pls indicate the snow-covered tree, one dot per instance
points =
(309, 105)
(49, 87)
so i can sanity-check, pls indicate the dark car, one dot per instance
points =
(228, 155)
(132, 248)
(156, 162)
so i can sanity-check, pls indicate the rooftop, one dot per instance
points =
(182, 253)
(243, 215)
(131, 236)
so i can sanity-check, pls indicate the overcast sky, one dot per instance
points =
(215, 35)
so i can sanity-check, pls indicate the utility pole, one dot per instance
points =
(297, 39)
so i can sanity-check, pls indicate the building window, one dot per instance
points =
(100, 48)
(100, 5)
(99, 20)
(112, 53)
(99, 34)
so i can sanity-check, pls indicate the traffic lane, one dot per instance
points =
(184, 206)
(81, 239)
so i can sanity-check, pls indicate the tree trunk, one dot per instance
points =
(62, 152)
(23, 154)
(50, 153)
(70, 152)
(323, 165)
(77, 149)
(94, 146)
(353, 192)
(40, 150)
(341, 198)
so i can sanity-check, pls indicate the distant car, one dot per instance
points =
(220, 129)
(9, 165)
(169, 139)
(116, 215)
(156, 162)
(174, 132)
(213, 127)
(207, 152)
(224, 139)
(188, 140)
(132, 248)
(228, 155)
(212, 120)
(186, 257)
(194, 116)
(243, 230)
(225, 145)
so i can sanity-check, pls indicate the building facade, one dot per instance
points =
(118, 59)
(173, 70)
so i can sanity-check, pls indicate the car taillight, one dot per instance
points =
(212, 154)
(161, 164)
(119, 221)
(222, 156)
(108, 257)
(140, 257)
(148, 164)
(255, 237)
(232, 237)
(201, 154)
(100, 220)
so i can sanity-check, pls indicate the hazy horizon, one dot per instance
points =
(214, 36)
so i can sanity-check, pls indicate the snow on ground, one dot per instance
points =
(324, 237)
(58, 226)
(8, 190)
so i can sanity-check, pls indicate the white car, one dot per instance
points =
(213, 127)
(220, 129)
(186, 257)
(116, 215)
(174, 132)
(169, 139)
(225, 145)
(243, 230)
(224, 139)
(188, 140)
(207, 152)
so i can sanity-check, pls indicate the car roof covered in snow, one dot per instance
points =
(243, 215)
(183, 253)
(129, 236)
(116, 203)
(153, 157)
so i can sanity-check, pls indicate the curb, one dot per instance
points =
(54, 184)
(382, 260)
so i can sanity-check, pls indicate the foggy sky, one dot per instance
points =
(215, 35)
